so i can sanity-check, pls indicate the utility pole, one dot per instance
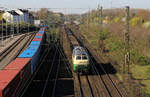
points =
(88, 15)
(127, 41)
(127, 47)
(101, 15)
(100, 8)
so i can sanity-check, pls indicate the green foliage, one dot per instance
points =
(96, 19)
(135, 21)
(116, 45)
(134, 56)
(54, 33)
(0, 16)
(142, 60)
(148, 71)
(116, 19)
(104, 34)
(93, 42)
(144, 93)
(139, 59)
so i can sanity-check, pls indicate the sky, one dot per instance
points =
(73, 6)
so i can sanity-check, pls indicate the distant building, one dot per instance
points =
(21, 19)
(19, 15)
(37, 22)
(24, 15)
(11, 16)
(31, 18)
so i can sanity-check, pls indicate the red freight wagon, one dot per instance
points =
(39, 35)
(9, 80)
(17, 64)
(37, 39)
(23, 65)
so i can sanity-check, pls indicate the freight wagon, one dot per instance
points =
(73, 41)
(14, 76)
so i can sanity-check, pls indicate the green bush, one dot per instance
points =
(138, 58)
(93, 42)
(134, 56)
(116, 45)
(116, 19)
(104, 34)
(144, 93)
(142, 60)
(136, 20)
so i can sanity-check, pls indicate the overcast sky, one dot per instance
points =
(73, 5)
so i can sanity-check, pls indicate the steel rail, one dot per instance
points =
(67, 63)
(45, 86)
(57, 72)
(106, 87)
(81, 90)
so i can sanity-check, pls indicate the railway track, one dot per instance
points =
(63, 86)
(6, 51)
(98, 83)
(109, 86)
(91, 86)
(52, 75)
(14, 50)
(10, 48)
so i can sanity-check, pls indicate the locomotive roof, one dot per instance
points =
(78, 50)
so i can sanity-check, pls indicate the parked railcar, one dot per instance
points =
(73, 41)
(9, 80)
(33, 51)
(14, 76)
(80, 60)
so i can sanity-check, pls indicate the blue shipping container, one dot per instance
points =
(38, 36)
(34, 60)
(27, 54)
(40, 32)
(34, 55)
(35, 43)
(33, 47)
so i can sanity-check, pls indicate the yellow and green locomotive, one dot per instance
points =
(80, 60)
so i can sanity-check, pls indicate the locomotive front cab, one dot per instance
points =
(80, 63)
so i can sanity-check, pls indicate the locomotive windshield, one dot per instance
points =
(84, 58)
(78, 58)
